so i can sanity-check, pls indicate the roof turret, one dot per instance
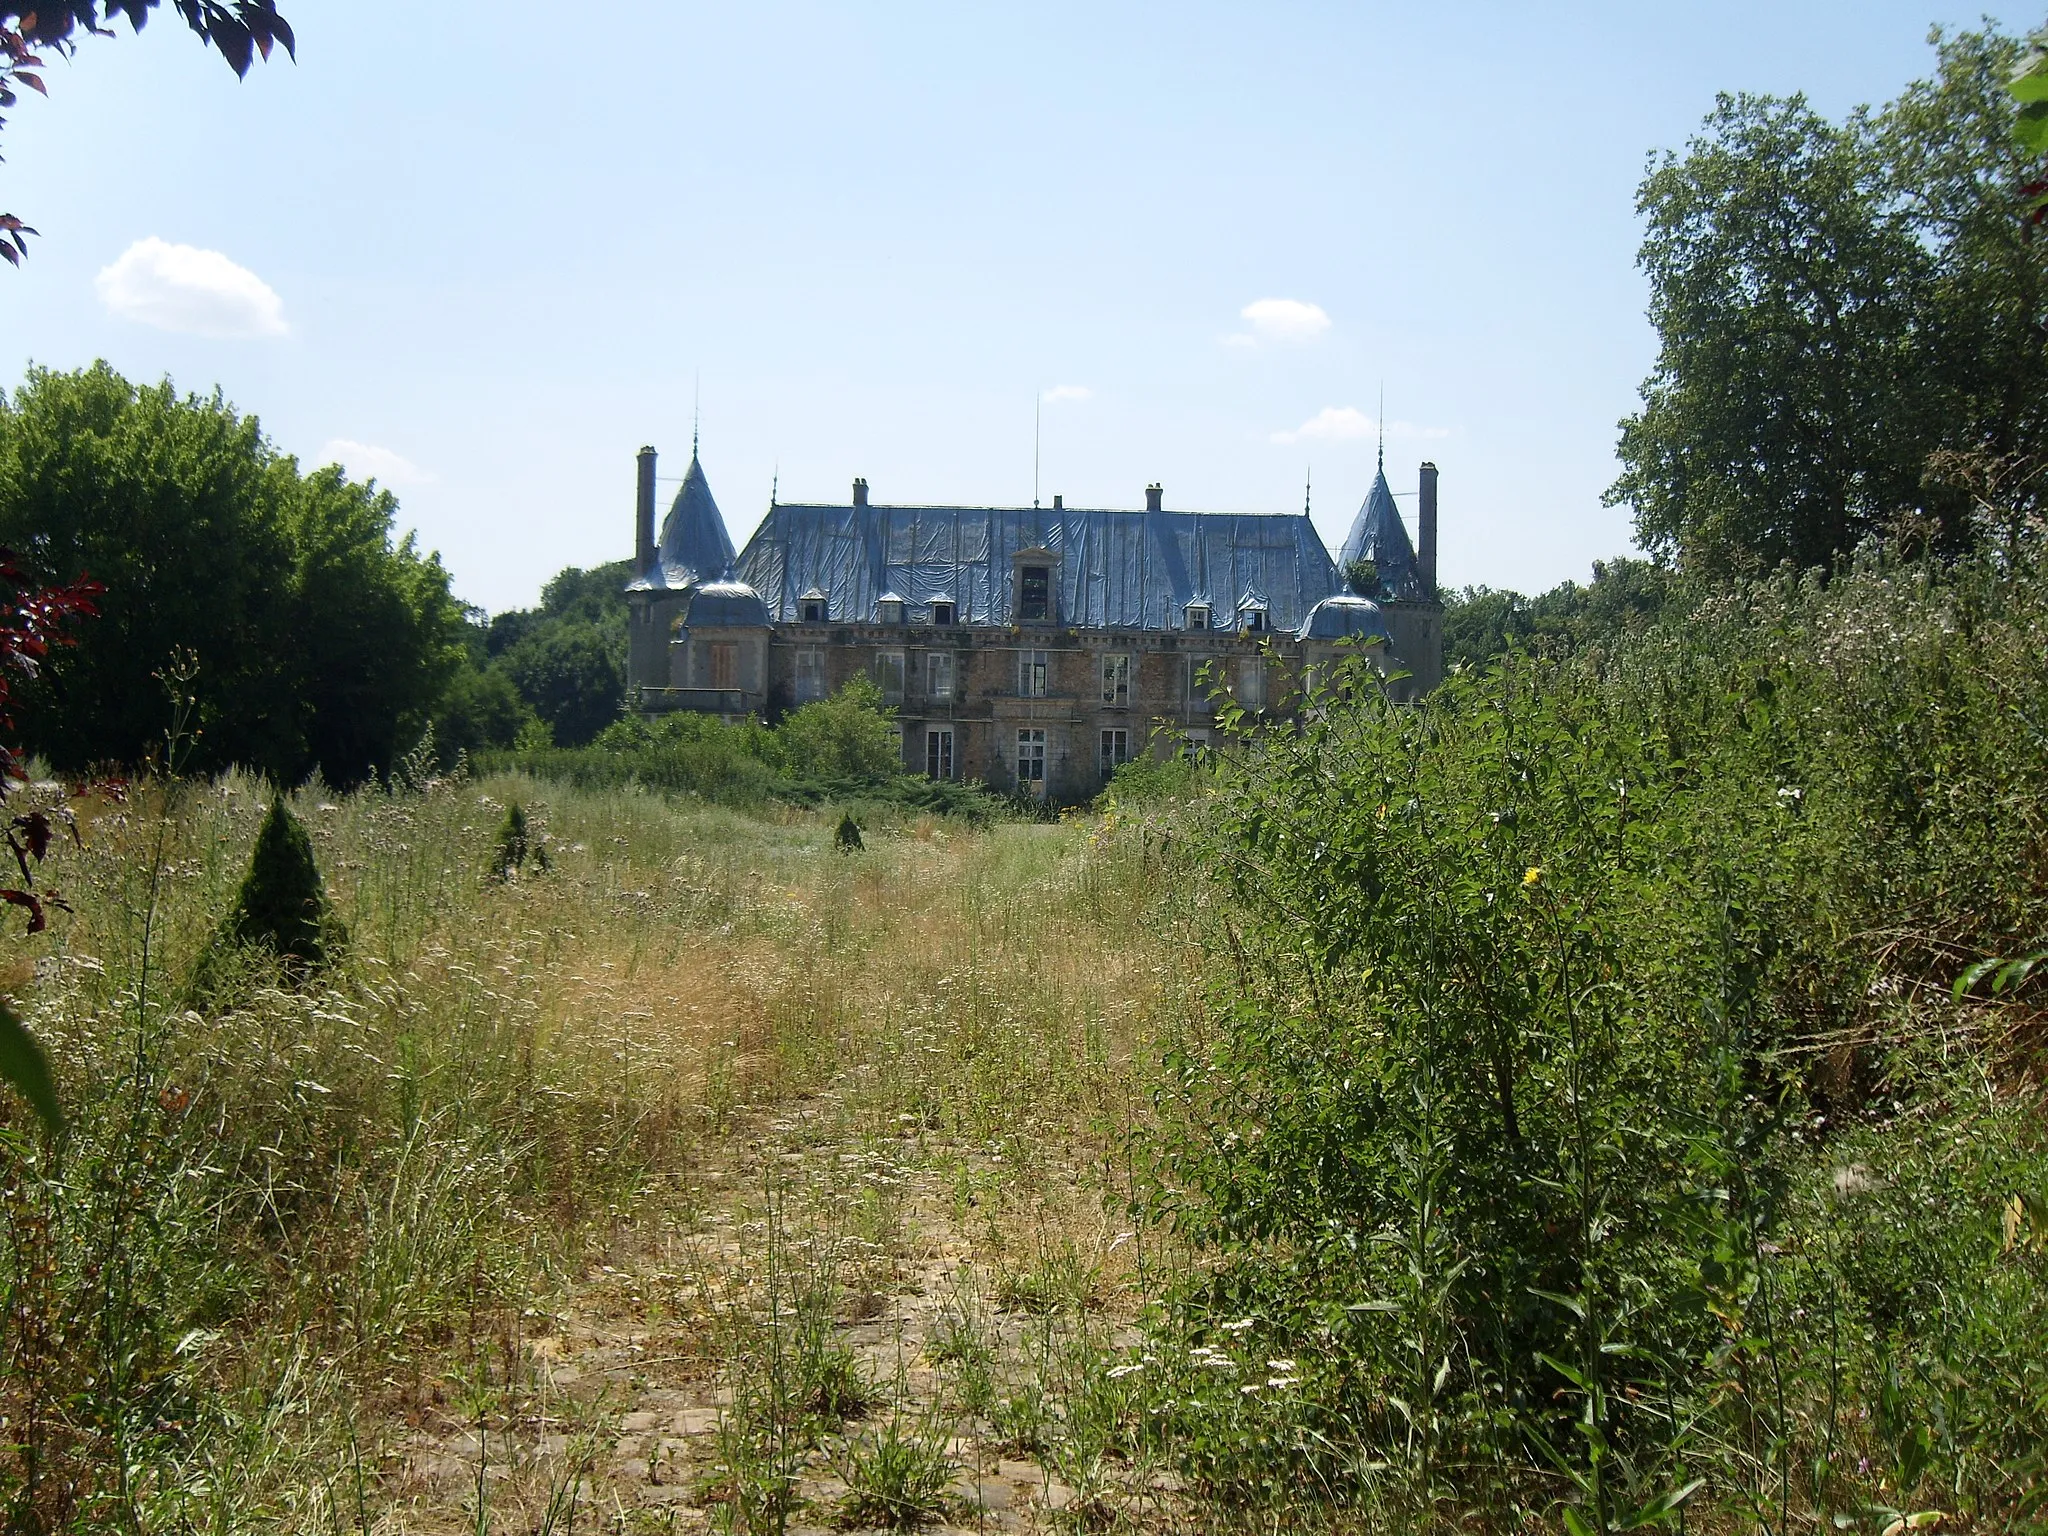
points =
(1378, 534)
(693, 536)
(1344, 617)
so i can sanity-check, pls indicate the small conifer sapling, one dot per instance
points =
(282, 906)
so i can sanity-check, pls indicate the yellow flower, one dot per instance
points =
(1534, 875)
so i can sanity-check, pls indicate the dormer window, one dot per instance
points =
(1198, 615)
(943, 611)
(1034, 594)
(1254, 618)
(889, 609)
(810, 608)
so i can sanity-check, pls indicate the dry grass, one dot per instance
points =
(540, 1197)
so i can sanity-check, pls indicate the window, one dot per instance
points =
(938, 752)
(889, 675)
(1255, 621)
(1198, 615)
(810, 607)
(725, 664)
(889, 610)
(942, 612)
(1031, 761)
(1116, 681)
(1034, 594)
(1195, 744)
(1251, 683)
(810, 673)
(938, 674)
(1032, 667)
(1116, 751)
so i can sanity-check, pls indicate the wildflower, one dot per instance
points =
(1532, 875)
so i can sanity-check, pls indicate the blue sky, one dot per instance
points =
(485, 259)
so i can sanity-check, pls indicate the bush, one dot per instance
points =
(1585, 1061)
(281, 907)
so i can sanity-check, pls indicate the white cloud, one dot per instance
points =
(1346, 423)
(1279, 320)
(366, 461)
(1066, 392)
(182, 288)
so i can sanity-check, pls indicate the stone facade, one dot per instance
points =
(1031, 650)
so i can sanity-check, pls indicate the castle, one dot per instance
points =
(1032, 649)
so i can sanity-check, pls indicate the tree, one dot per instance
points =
(1836, 304)
(282, 905)
(319, 642)
(569, 675)
(847, 736)
(242, 30)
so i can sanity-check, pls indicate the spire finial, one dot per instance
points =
(696, 409)
(775, 482)
(1383, 426)
(1308, 478)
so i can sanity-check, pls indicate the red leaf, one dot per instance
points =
(37, 921)
(32, 82)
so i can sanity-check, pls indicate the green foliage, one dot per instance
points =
(282, 905)
(896, 1474)
(25, 1069)
(1482, 625)
(847, 736)
(570, 676)
(846, 837)
(1581, 1102)
(1838, 306)
(320, 644)
(509, 857)
(1362, 576)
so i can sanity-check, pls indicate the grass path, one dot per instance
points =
(896, 1236)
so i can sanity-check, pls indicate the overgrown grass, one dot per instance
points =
(275, 1234)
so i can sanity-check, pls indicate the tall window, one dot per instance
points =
(1116, 681)
(942, 613)
(1116, 751)
(889, 675)
(810, 673)
(938, 752)
(938, 674)
(725, 664)
(1251, 683)
(1034, 594)
(1032, 667)
(1031, 762)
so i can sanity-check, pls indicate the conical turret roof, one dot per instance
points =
(1378, 534)
(694, 544)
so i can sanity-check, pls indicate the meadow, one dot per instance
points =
(1604, 1097)
(710, 1170)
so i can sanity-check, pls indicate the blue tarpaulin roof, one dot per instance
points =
(1115, 569)
(694, 545)
(1378, 534)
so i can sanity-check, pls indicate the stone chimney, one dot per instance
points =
(860, 493)
(1153, 496)
(643, 516)
(1425, 519)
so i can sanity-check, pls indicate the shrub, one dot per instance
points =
(282, 904)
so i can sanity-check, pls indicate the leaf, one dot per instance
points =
(2031, 83)
(1571, 1304)
(23, 1067)
(1577, 1523)
(1576, 1378)
(1972, 975)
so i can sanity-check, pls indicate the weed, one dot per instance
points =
(896, 1473)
